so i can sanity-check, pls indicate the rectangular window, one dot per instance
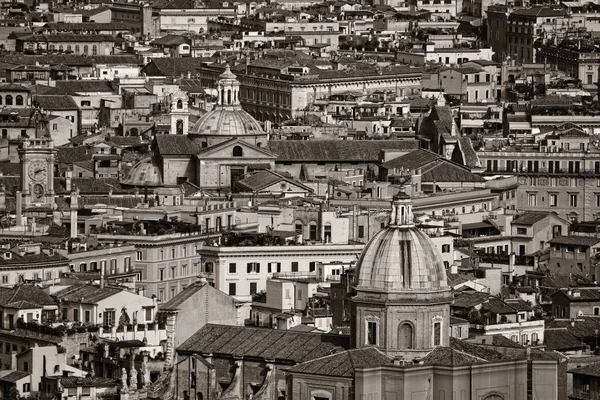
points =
(445, 248)
(521, 231)
(26, 387)
(148, 314)
(253, 268)
(232, 289)
(252, 288)
(572, 200)
(232, 268)
(437, 333)
(294, 266)
(553, 200)
(372, 332)
(87, 316)
(312, 266)
(361, 231)
(532, 200)
(161, 274)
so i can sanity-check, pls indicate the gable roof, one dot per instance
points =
(230, 142)
(413, 160)
(575, 240)
(470, 299)
(32, 295)
(343, 364)
(531, 217)
(336, 150)
(265, 178)
(56, 102)
(262, 343)
(87, 294)
(182, 297)
(180, 145)
(561, 340)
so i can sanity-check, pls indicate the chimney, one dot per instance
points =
(69, 178)
(73, 214)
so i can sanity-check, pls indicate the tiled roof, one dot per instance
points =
(413, 160)
(174, 66)
(41, 258)
(67, 37)
(457, 321)
(336, 150)
(87, 294)
(73, 87)
(265, 178)
(14, 376)
(128, 141)
(447, 356)
(56, 102)
(575, 240)
(182, 297)
(70, 155)
(518, 304)
(470, 157)
(70, 59)
(498, 306)
(475, 350)
(470, 299)
(587, 370)
(30, 293)
(261, 343)
(176, 145)
(560, 340)
(539, 12)
(90, 26)
(92, 381)
(448, 171)
(170, 40)
(583, 328)
(531, 217)
(581, 294)
(343, 364)
(13, 87)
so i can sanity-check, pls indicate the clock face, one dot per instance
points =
(38, 192)
(38, 170)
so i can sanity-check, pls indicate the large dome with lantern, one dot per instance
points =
(400, 257)
(227, 119)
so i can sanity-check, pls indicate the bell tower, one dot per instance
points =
(180, 114)
(228, 89)
(37, 156)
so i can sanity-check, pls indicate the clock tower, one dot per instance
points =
(37, 157)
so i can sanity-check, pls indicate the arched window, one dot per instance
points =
(238, 151)
(94, 50)
(405, 336)
(19, 100)
(85, 49)
(69, 49)
(77, 48)
(9, 100)
(204, 145)
(229, 96)
(60, 48)
(1, 100)
(179, 104)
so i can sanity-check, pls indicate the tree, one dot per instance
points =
(13, 393)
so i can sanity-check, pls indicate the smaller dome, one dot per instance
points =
(400, 257)
(227, 121)
(144, 173)
(227, 74)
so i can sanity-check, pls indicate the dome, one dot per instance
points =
(400, 257)
(144, 173)
(227, 119)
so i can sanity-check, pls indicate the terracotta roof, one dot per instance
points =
(343, 364)
(34, 295)
(182, 297)
(560, 340)
(498, 306)
(87, 294)
(14, 376)
(67, 37)
(92, 381)
(531, 217)
(73, 87)
(174, 66)
(287, 346)
(180, 145)
(581, 294)
(575, 240)
(73, 60)
(336, 150)
(70, 155)
(413, 160)
(265, 178)
(470, 299)
(448, 356)
(470, 157)
(56, 102)
(583, 328)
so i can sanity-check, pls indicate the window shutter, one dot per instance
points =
(249, 267)
(258, 267)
